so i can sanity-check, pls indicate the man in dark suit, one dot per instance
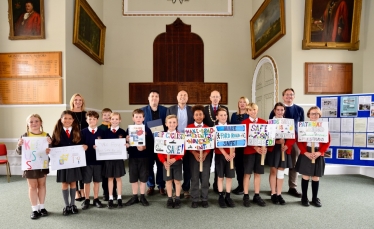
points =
(154, 111)
(185, 117)
(210, 119)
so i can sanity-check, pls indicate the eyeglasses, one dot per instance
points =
(313, 113)
(289, 94)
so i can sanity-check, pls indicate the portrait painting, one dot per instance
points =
(89, 31)
(26, 19)
(267, 26)
(332, 24)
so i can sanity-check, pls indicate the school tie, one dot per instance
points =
(114, 131)
(93, 131)
(215, 110)
(198, 126)
(67, 133)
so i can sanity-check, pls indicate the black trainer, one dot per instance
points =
(229, 202)
(259, 201)
(133, 200)
(281, 200)
(274, 199)
(34, 215)
(246, 201)
(221, 202)
(170, 203)
(177, 203)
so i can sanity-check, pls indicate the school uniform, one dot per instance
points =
(305, 166)
(37, 173)
(252, 159)
(139, 160)
(93, 170)
(196, 176)
(222, 166)
(114, 168)
(274, 155)
(72, 174)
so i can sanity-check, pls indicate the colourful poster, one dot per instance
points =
(67, 157)
(285, 128)
(230, 136)
(33, 153)
(111, 149)
(261, 135)
(136, 135)
(199, 138)
(311, 131)
(169, 143)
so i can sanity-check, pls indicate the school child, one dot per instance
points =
(114, 169)
(92, 170)
(196, 176)
(252, 160)
(67, 133)
(138, 162)
(105, 125)
(175, 166)
(35, 178)
(305, 166)
(274, 160)
(223, 156)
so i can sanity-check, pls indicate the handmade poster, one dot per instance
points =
(364, 103)
(285, 128)
(169, 143)
(199, 138)
(67, 157)
(261, 134)
(366, 154)
(33, 153)
(230, 136)
(329, 107)
(111, 149)
(136, 135)
(348, 106)
(360, 124)
(312, 131)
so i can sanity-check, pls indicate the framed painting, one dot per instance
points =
(267, 26)
(26, 19)
(89, 31)
(332, 24)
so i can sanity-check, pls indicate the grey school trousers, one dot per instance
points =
(196, 176)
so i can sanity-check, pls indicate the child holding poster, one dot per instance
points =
(252, 160)
(196, 175)
(274, 160)
(114, 169)
(305, 166)
(67, 133)
(35, 178)
(223, 156)
(138, 162)
(174, 164)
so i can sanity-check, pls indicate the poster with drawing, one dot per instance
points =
(169, 143)
(136, 135)
(313, 131)
(285, 128)
(111, 149)
(199, 138)
(33, 153)
(232, 136)
(67, 157)
(261, 134)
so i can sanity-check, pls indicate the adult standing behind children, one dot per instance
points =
(154, 111)
(185, 117)
(210, 119)
(77, 105)
(297, 114)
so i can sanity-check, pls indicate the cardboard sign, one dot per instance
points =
(313, 131)
(230, 136)
(111, 149)
(199, 138)
(261, 135)
(137, 135)
(169, 143)
(285, 128)
(33, 153)
(67, 157)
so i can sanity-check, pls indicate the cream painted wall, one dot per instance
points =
(367, 46)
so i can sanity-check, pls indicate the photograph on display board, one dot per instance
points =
(364, 103)
(372, 110)
(345, 154)
(366, 154)
(370, 140)
(328, 153)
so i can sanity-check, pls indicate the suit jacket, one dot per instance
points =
(208, 119)
(148, 114)
(174, 110)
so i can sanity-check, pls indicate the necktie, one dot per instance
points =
(199, 126)
(67, 133)
(93, 131)
(215, 110)
(114, 131)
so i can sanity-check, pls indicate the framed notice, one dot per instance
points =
(328, 78)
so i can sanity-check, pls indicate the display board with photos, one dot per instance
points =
(351, 127)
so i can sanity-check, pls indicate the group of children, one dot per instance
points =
(66, 133)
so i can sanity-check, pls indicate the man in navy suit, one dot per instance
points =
(185, 117)
(154, 111)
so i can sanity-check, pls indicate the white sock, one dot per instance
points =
(110, 197)
(41, 206)
(35, 208)
(119, 197)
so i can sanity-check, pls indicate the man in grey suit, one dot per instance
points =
(185, 117)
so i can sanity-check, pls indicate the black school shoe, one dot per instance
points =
(34, 215)
(119, 203)
(43, 212)
(133, 200)
(281, 200)
(316, 202)
(194, 205)
(305, 202)
(246, 202)
(259, 201)
(229, 202)
(294, 192)
(204, 204)
(73, 209)
(144, 201)
(170, 203)
(221, 202)
(97, 203)
(86, 204)
(238, 191)
(177, 203)
(66, 211)
(274, 199)
(110, 204)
